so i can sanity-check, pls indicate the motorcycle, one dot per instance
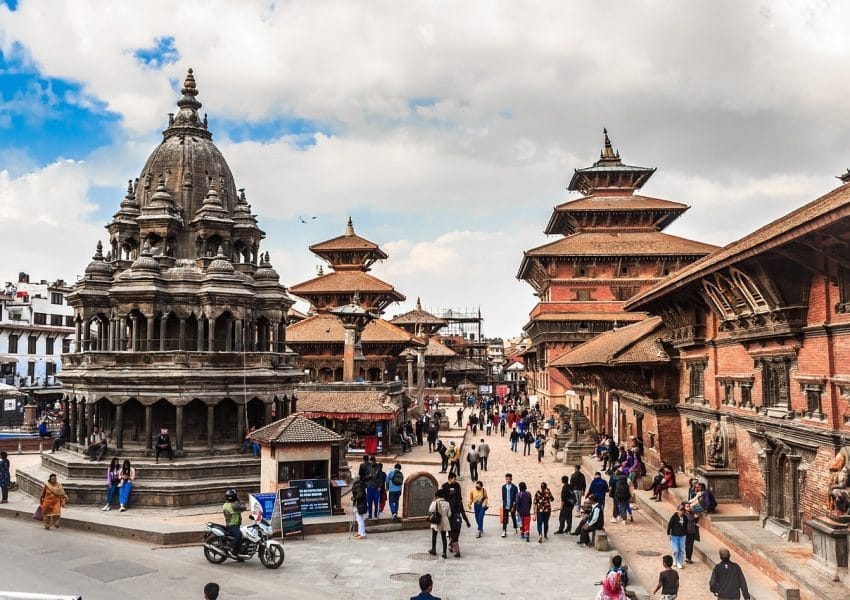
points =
(256, 539)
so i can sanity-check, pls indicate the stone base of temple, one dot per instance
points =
(199, 480)
(722, 482)
(830, 546)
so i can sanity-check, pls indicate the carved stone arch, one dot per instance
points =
(750, 290)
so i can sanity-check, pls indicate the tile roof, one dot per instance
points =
(344, 281)
(417, 317)
(631, 344)
(346, 242)
(325, 327)
(434, 348)
(620, 202)
(822, 212)
(591, 316)
(295, 429)
(625, 243)
(366, 404)
(461, 363)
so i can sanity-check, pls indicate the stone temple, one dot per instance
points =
(182, 322)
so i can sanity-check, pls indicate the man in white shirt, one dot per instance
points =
(97, 444)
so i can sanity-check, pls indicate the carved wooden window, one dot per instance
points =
(13, 344)
(750, 291)
(843, 289)
(31, 344)
(584, 295)
(746, 394)
(697, 380)
(729, 393)
(775, 382)
(814, 400)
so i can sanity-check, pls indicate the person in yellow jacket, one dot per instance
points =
(478, 503)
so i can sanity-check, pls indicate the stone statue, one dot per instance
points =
(838, 501)
(717, 449)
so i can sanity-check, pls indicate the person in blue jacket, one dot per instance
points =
(598, 489)
(395, 479)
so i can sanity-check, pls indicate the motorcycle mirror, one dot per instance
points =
(251, 517)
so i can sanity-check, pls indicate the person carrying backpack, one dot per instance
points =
(395, 479)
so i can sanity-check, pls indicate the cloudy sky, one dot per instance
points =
(447, 130)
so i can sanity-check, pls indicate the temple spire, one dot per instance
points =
(607, 154)
(349, 228)
(187, 120)
(418, 304)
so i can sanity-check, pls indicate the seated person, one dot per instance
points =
(64, 436)
(703, 501)
(661, 482)
(43, 432)
(97, 444)
(162, 443)
(405, 446)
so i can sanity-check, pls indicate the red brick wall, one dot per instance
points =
(750, 482)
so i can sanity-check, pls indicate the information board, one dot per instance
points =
(291, 520)
(315, 496)
(264, 503)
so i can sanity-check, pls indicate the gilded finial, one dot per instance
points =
(189, 86)
(349, 228)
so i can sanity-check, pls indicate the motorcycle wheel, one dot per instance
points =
(271, 556)
(214, 557)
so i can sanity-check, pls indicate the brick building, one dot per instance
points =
(612, 247)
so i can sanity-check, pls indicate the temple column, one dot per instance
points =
(240, 334)
(240, 422)
(148, 427)
(210, 426)
(122, 335)
(269, 413)
(200, 347)
(409, 371)
(228, 336)
(281, 336)
(163, 330)
(72, 415)
(119, 426)
(87, 335)
(81, 422)
(78, 336)
(134, 333)
(149, 341)
(107, 340)
(211, 335)
(181, 340)
(348, 363)
(89, 421)
(179, 426)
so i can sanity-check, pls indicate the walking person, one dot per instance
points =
(358, 502)
(692, 535)
(457, 516)
(5, 477)
(612, 588)
(440, 507)
(395, 479)
(53, 498)
(540, 444)
(565, 516)
(668, 580)
(113, 476)
(578, 484)
(727, 579)
(373, 488)
(426, 586)
(127, 477)
(523, 509)
(543, 499)
(483, 453)
(514, 439)
(444, 456)
(454, 459)
(472, 457)
(432, 438)
(478, 503)
(509, 494)
(527, 441)
(677, 530)
(622, 494)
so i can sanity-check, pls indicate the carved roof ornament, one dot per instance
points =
(845, 177)
(187, 121)
(349, 228)
(607, 154)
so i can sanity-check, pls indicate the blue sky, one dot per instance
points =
(448, 136)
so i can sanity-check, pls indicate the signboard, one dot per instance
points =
(291, 521)
(501, 391)
(263, 503)
(615, 419)
(484, 388)
(315, 496)
(9, 404)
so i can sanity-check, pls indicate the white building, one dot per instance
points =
(36, 327)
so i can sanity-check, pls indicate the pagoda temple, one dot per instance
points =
(612, 246)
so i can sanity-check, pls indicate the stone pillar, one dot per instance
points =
(239, 334)
(81, 421)
(179, 426)
(148, 427)
(228, 335)
(269, 413)
(78, 336)
(134, 333)
(348, 353)
(181, 340)
(210, 426)
(409, 371)
(87, 335)
(119, 426)
(163, 330)
(281, 336)
(240, 421)
(122, 335)
(89, 420)
(151, 324)
(72, 418)
(200, 347)
(211, 335)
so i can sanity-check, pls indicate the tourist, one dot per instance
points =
(677, 530)
(395, 479)
(63, 437)
(53, 498)
(514, 439)
(444, 456)
(211, 591)
(472, 458)
(247, 442)
(488, 425)
(113, 477)
(441, 507)
(163, 444)
(509, 494)
(598, 489)
(426, 584)
(612, 588)
(232, 509)
(363, 471)
(358, 502)
(662, 481)
(523, 509)
(565, 516)
(459, 421)
(527, 441)
(592, 522)
(374, 483)
(622, 493)
(502, 423)
(5, 477)
(418, 432)
(578, 484)
(727, 580)
(451, 484)
(432, 438)
(668, 580)
(97, 444)
(127, 477)
(453, 454)
(692, 534)
(540, 444)
(543, 499)
(43, 432)
(478, 503)
(483, 453)
(457, 517)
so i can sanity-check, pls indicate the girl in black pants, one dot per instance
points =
(692, 532)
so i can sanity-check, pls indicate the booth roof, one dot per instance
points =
(295, 429)
(369, 405)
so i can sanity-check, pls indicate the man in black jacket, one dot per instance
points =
(565, 517)
(578, 484)
(727, 580)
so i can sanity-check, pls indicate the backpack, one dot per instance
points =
(397, 478)
(537, 443)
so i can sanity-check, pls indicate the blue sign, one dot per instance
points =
(267, 502)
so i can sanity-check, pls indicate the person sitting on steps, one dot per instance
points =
(163, 444)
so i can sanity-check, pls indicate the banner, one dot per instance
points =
(315, 496)
(291, 521)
